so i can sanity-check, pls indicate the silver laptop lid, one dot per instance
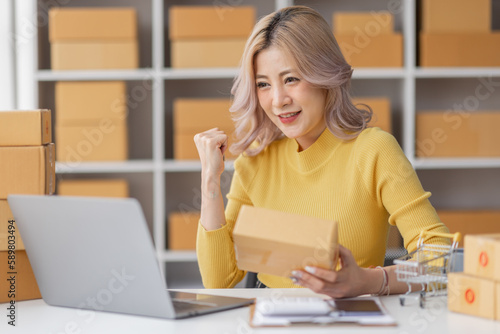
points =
(92, 253)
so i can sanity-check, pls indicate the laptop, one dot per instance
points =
(98, 254)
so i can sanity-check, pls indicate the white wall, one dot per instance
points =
(7, 59)
(26, 59)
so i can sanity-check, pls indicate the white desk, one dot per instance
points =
(37, 317)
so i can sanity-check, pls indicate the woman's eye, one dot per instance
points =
(291, 79)
(261, 84)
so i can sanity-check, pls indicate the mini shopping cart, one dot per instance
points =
(427, 266)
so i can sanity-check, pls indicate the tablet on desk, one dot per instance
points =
(357, 307)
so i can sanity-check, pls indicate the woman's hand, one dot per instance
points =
(211, 146)
(351, 280)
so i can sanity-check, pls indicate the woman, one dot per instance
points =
(306, 149)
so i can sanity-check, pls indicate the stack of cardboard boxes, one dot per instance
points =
(27, 166)
(91, 121)
(368, 39)
(458, 33)
(208, 36)
(476, 291)
(93, 38)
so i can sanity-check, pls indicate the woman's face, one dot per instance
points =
(293, 105)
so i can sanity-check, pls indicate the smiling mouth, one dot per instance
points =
(290, 114)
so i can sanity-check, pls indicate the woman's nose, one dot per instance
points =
(280, 98)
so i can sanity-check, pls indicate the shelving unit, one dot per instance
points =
(162, 184)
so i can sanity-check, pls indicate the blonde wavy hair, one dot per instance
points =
(302, 33)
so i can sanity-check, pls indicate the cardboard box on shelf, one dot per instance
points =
(471, 221)
(192, 116)
(459, 49)
(25, 127)
(106, 140)
(456, 16)
(78, 102)
(93, 38)
(210, 21)
(275, 243)
(448, 134)
(480, 255)
(6, 217)
(92, 23)
(472, 295)
(182, 229)
(361, 50)
(381, 107)
(94, 187)
(381, 22)
(94, 55)
(206, 52)
(27, 170)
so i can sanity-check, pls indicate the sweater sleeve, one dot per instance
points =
(215, 249)
(394, 184)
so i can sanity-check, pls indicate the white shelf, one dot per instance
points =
(97, 75)
(199, 73)
(178, 256)
(190, 166)
(378, 73)
(129, 166)
(456, 163)
(457, 72)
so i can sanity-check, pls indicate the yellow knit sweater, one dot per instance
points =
(362, 183)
